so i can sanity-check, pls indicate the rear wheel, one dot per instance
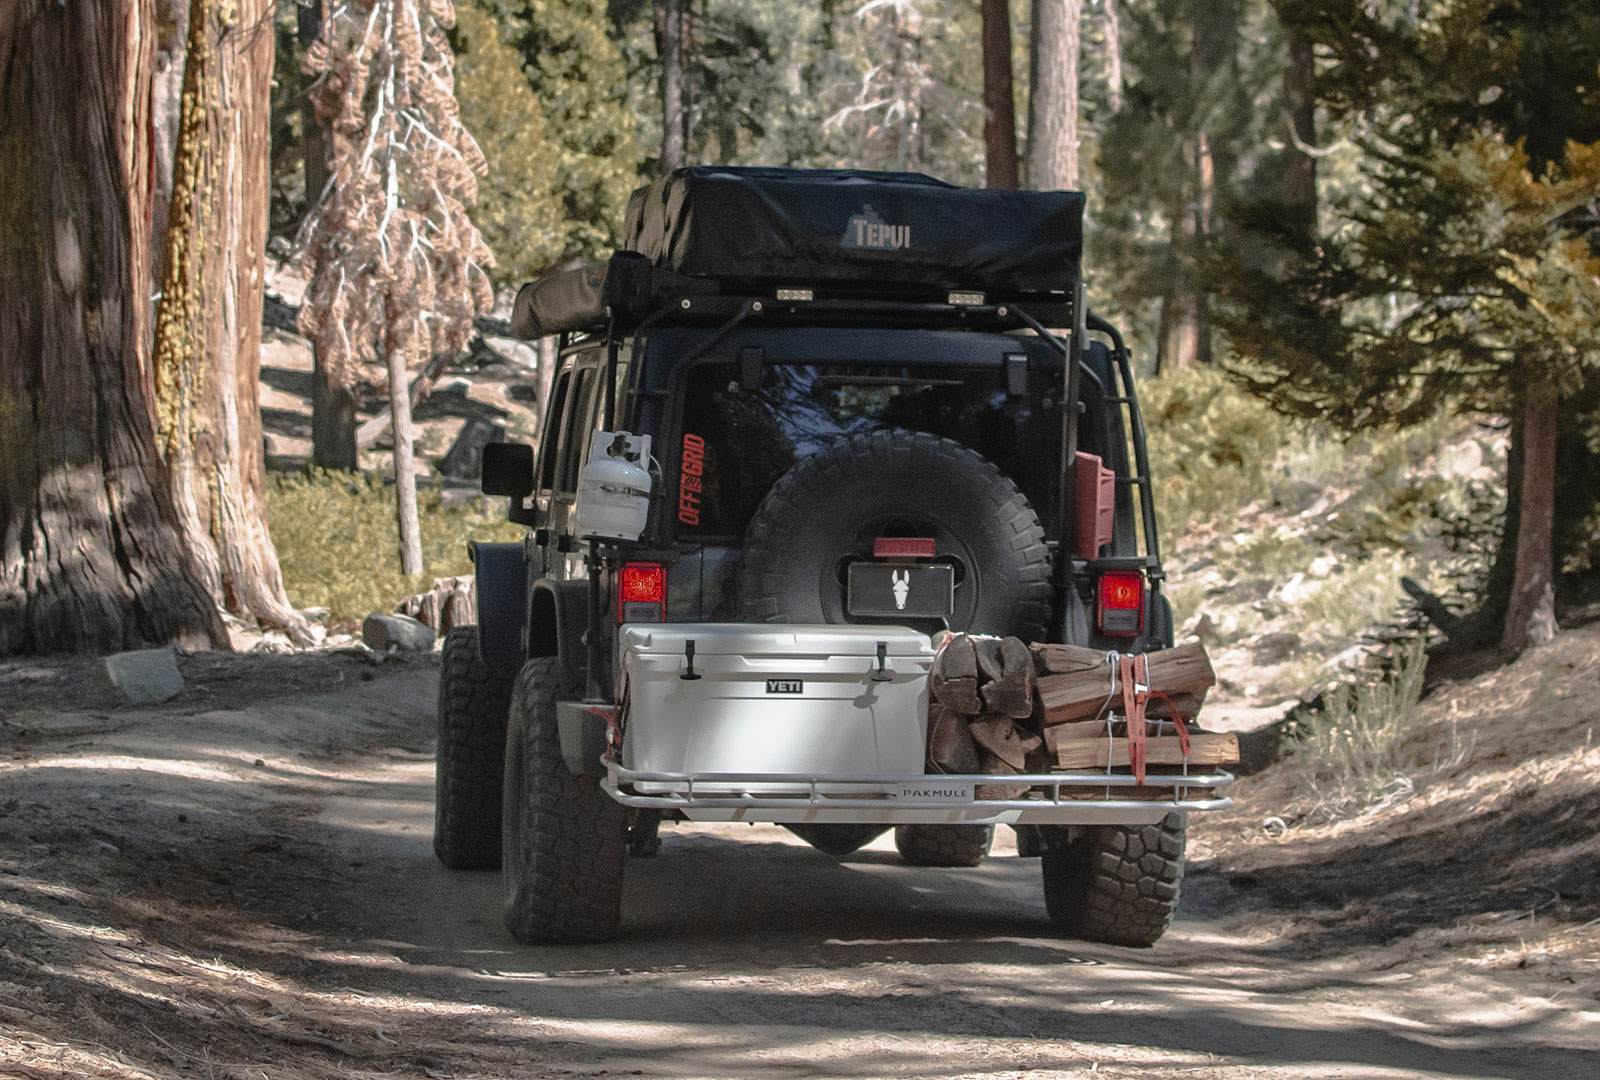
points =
(943, 845)
(564, 840)
(1116, 884)
(469, 766)
(838, 840)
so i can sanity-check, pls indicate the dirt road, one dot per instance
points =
(241, 884)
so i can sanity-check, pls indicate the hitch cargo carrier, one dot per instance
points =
(829, 723)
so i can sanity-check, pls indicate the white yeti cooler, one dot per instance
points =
(774, 700)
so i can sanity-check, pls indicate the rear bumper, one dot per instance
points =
(1053, 799)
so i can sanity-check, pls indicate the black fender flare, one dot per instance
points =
(558, 615)
(500, 572)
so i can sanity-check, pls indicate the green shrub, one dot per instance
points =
(338, 542)
(1212, 447)
(1350, 748)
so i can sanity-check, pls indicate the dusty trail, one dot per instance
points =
(295, 923)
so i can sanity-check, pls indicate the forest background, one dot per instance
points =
(1372, 213)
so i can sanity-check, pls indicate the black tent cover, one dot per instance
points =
(844, 232)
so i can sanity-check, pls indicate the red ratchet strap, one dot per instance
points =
(1177, 721)
(1134, 695)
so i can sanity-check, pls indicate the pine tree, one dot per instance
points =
(1462, 277)
(398, 266)
(519, 208)
(581, 84)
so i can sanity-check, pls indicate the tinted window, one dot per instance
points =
(552, 423)
(736, 444)
(576, 432)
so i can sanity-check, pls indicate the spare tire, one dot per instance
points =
(828, 509)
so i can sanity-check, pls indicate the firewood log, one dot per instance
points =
(1011, 692)
(950, 745)
(955, 676)
(1204, 749)
(1078, 691)
(993, 765)
(1000, 737)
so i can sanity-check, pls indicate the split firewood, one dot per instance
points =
(1066, 659)
(1010, 692)
(950, 745)
(1078, 691)
(987, 651)
(955, 676)
(1000, 737)
(993, 765)
(1204, 749)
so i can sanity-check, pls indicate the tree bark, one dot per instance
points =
(1530, 618)
(92, 555)
(405, 476)
(166, 102)
(333, 406)
(208, 324)
(672, 133)
(1000, 112)
(1053, 95)
(1300, 172)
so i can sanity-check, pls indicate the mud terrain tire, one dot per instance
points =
(943, 845)
(829, 508)
(838, 840)
(564, 840)
(470, 762)
(1116, 884)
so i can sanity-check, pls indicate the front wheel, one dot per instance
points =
(469, 765)
(1115, 884)
(564, 840)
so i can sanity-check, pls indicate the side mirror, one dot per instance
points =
(508, 470)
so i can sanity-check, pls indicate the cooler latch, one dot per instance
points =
(883, 674)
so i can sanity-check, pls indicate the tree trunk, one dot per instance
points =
(405, 476)
(333, 406)
(1300, 172)
(1113, 32)
(333, 421)
(1053, 95)
(1000, 112)
(92, 556)
(166, 102)
(672, 149)
(208, 324)
(1179, 344)
(1530, 618)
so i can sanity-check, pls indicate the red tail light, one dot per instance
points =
(1120, 604)
(642, 593)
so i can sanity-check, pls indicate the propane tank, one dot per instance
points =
(614, 487)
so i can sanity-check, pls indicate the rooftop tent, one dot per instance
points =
(844, 233)
(900, 231)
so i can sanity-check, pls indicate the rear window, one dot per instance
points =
(735, 443)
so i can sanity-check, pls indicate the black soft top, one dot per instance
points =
(842, 234)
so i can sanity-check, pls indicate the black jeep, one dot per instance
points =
(878, 409)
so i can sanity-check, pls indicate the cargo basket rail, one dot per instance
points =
(1053, 798)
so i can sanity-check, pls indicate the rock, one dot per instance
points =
(464, 461)
(145, 677)
(395, 633)
(1275, 648)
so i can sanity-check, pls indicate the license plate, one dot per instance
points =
(936, 791)
(890, 589)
